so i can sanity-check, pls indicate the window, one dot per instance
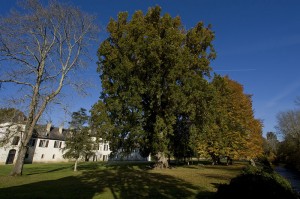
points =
(42, 157)
(53, 157)
(32, 142)
(104, 157)
(15, 140)
(105, 147)
(44, 143)
(57, 144)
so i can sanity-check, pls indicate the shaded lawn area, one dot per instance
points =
(115, 180)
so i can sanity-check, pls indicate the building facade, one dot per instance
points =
(46, 144)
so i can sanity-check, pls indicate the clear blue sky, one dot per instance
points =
(257, 44)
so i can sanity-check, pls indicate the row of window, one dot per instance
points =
(44, 143)
(42, 156)
(57, 144)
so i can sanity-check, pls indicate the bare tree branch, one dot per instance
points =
(45, 44)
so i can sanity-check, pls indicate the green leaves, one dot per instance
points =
(151, 70)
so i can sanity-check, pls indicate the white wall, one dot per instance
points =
(13, 131)
(102, 153)
(49, 153)
(36, 153)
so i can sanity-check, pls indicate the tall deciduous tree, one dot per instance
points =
(40, 48)
(151, 68)
(231, 130)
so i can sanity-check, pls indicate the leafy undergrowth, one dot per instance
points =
(115, 180)
(257, 182)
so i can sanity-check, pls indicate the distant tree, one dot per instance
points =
(79, 142)
(271, 146)
(11, 115)
(151, 69)
(79, 119)
(41, 48)
(288, 125)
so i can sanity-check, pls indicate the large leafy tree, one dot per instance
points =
(151, 70)
(231, 129)
(41, 49)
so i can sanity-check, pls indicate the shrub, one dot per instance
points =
(257, 182)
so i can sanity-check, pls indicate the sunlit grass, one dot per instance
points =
(115, 180)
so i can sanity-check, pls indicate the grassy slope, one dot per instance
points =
(115, 180)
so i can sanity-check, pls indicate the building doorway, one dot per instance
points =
(11, 156)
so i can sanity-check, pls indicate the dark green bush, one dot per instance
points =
(255, 182)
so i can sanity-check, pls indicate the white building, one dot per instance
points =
(133, 156)
(46, 144)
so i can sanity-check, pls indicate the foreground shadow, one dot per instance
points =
(118, 182)
(127, 182)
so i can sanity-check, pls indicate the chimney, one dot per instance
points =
(48, 128)
(60, 129)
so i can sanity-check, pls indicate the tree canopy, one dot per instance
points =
(158, 95)
(288, 125)
(232, 131)
(11, 115)
(151, 68)
(79, 142)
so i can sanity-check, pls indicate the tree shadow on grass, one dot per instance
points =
(68, 187)
(117, 182)
(34, 171)
(129, 182)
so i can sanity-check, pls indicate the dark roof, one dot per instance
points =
(54, 134)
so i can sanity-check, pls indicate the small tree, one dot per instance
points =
(78, 145)
(41, 49)
(79, 142)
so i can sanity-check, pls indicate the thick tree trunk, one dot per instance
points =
(161, 161)
(18, 167)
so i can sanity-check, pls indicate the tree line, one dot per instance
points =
(286, 150)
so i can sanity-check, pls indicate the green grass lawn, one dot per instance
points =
(114, 180)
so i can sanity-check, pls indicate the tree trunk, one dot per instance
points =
(229, 161)
(75, 166)
(161, 161)
(18, 167)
